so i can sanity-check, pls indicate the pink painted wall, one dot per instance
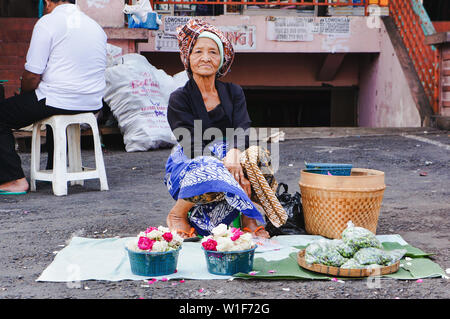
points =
(371, 63)
(108, 13)
(363, 38)
(385, 99)
(275, 63)
(289, 69)
(270, 69)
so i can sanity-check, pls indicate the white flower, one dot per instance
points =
(132, 244)
(222, 235)
(247, 237)
(176, 241)
(220, 231)
(160, 246)
(141, 234)
(163, 229)
(155, 234)
(224, 244)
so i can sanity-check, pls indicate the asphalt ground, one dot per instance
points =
(35, 226)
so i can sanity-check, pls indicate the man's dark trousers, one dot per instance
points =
(17, 112)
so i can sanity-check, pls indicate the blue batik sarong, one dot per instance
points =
(186, 178)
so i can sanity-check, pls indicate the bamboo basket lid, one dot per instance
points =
(339, 272)
(360, 179)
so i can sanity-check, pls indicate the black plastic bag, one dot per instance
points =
(292, 204)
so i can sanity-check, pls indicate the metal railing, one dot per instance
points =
(414, 25)
(278, 3)
(268, 2)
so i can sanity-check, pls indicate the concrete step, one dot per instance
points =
(446, 103)
(442, 122)
(445, 83)
(445, 96)
(417, 90)
(446, 55)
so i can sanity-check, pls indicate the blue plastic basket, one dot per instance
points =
(332, 168)
(229, 262)
(153, 263)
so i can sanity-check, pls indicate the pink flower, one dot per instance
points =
(150, 229)
(167, 237)
(210, 244)
(235, 236)
(164, 279)
(236, 233)
(419, 281)
(145, 243)
(182, 281)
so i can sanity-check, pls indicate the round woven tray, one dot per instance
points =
(339, 272)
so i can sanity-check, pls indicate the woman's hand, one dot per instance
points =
(232, 163)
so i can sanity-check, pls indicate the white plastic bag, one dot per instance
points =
(113, 54)
(138, 94)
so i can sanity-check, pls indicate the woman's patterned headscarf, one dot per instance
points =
(187, 36)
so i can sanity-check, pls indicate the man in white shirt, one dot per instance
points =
(64, 74)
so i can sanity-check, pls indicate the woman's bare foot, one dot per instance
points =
(18, 185)
(252, 226)
(177, 219)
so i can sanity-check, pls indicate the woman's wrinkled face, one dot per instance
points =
(205, 57)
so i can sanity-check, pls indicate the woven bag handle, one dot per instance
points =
(265, 194)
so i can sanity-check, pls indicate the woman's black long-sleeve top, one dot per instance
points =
(186, 106)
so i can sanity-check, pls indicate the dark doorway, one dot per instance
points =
(438, 10)
(19, 8)
(308, 107)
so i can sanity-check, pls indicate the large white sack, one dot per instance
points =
(138, 94)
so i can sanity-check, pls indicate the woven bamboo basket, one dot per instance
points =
(340, 272)
(330, 202)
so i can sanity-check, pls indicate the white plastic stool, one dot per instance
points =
(66, 144)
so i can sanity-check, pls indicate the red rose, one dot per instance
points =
(168, 237)
(145, 243)
(210, 244)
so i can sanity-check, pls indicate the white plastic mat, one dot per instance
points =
(107, 259)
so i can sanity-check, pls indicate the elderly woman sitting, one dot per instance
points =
(212, 188)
